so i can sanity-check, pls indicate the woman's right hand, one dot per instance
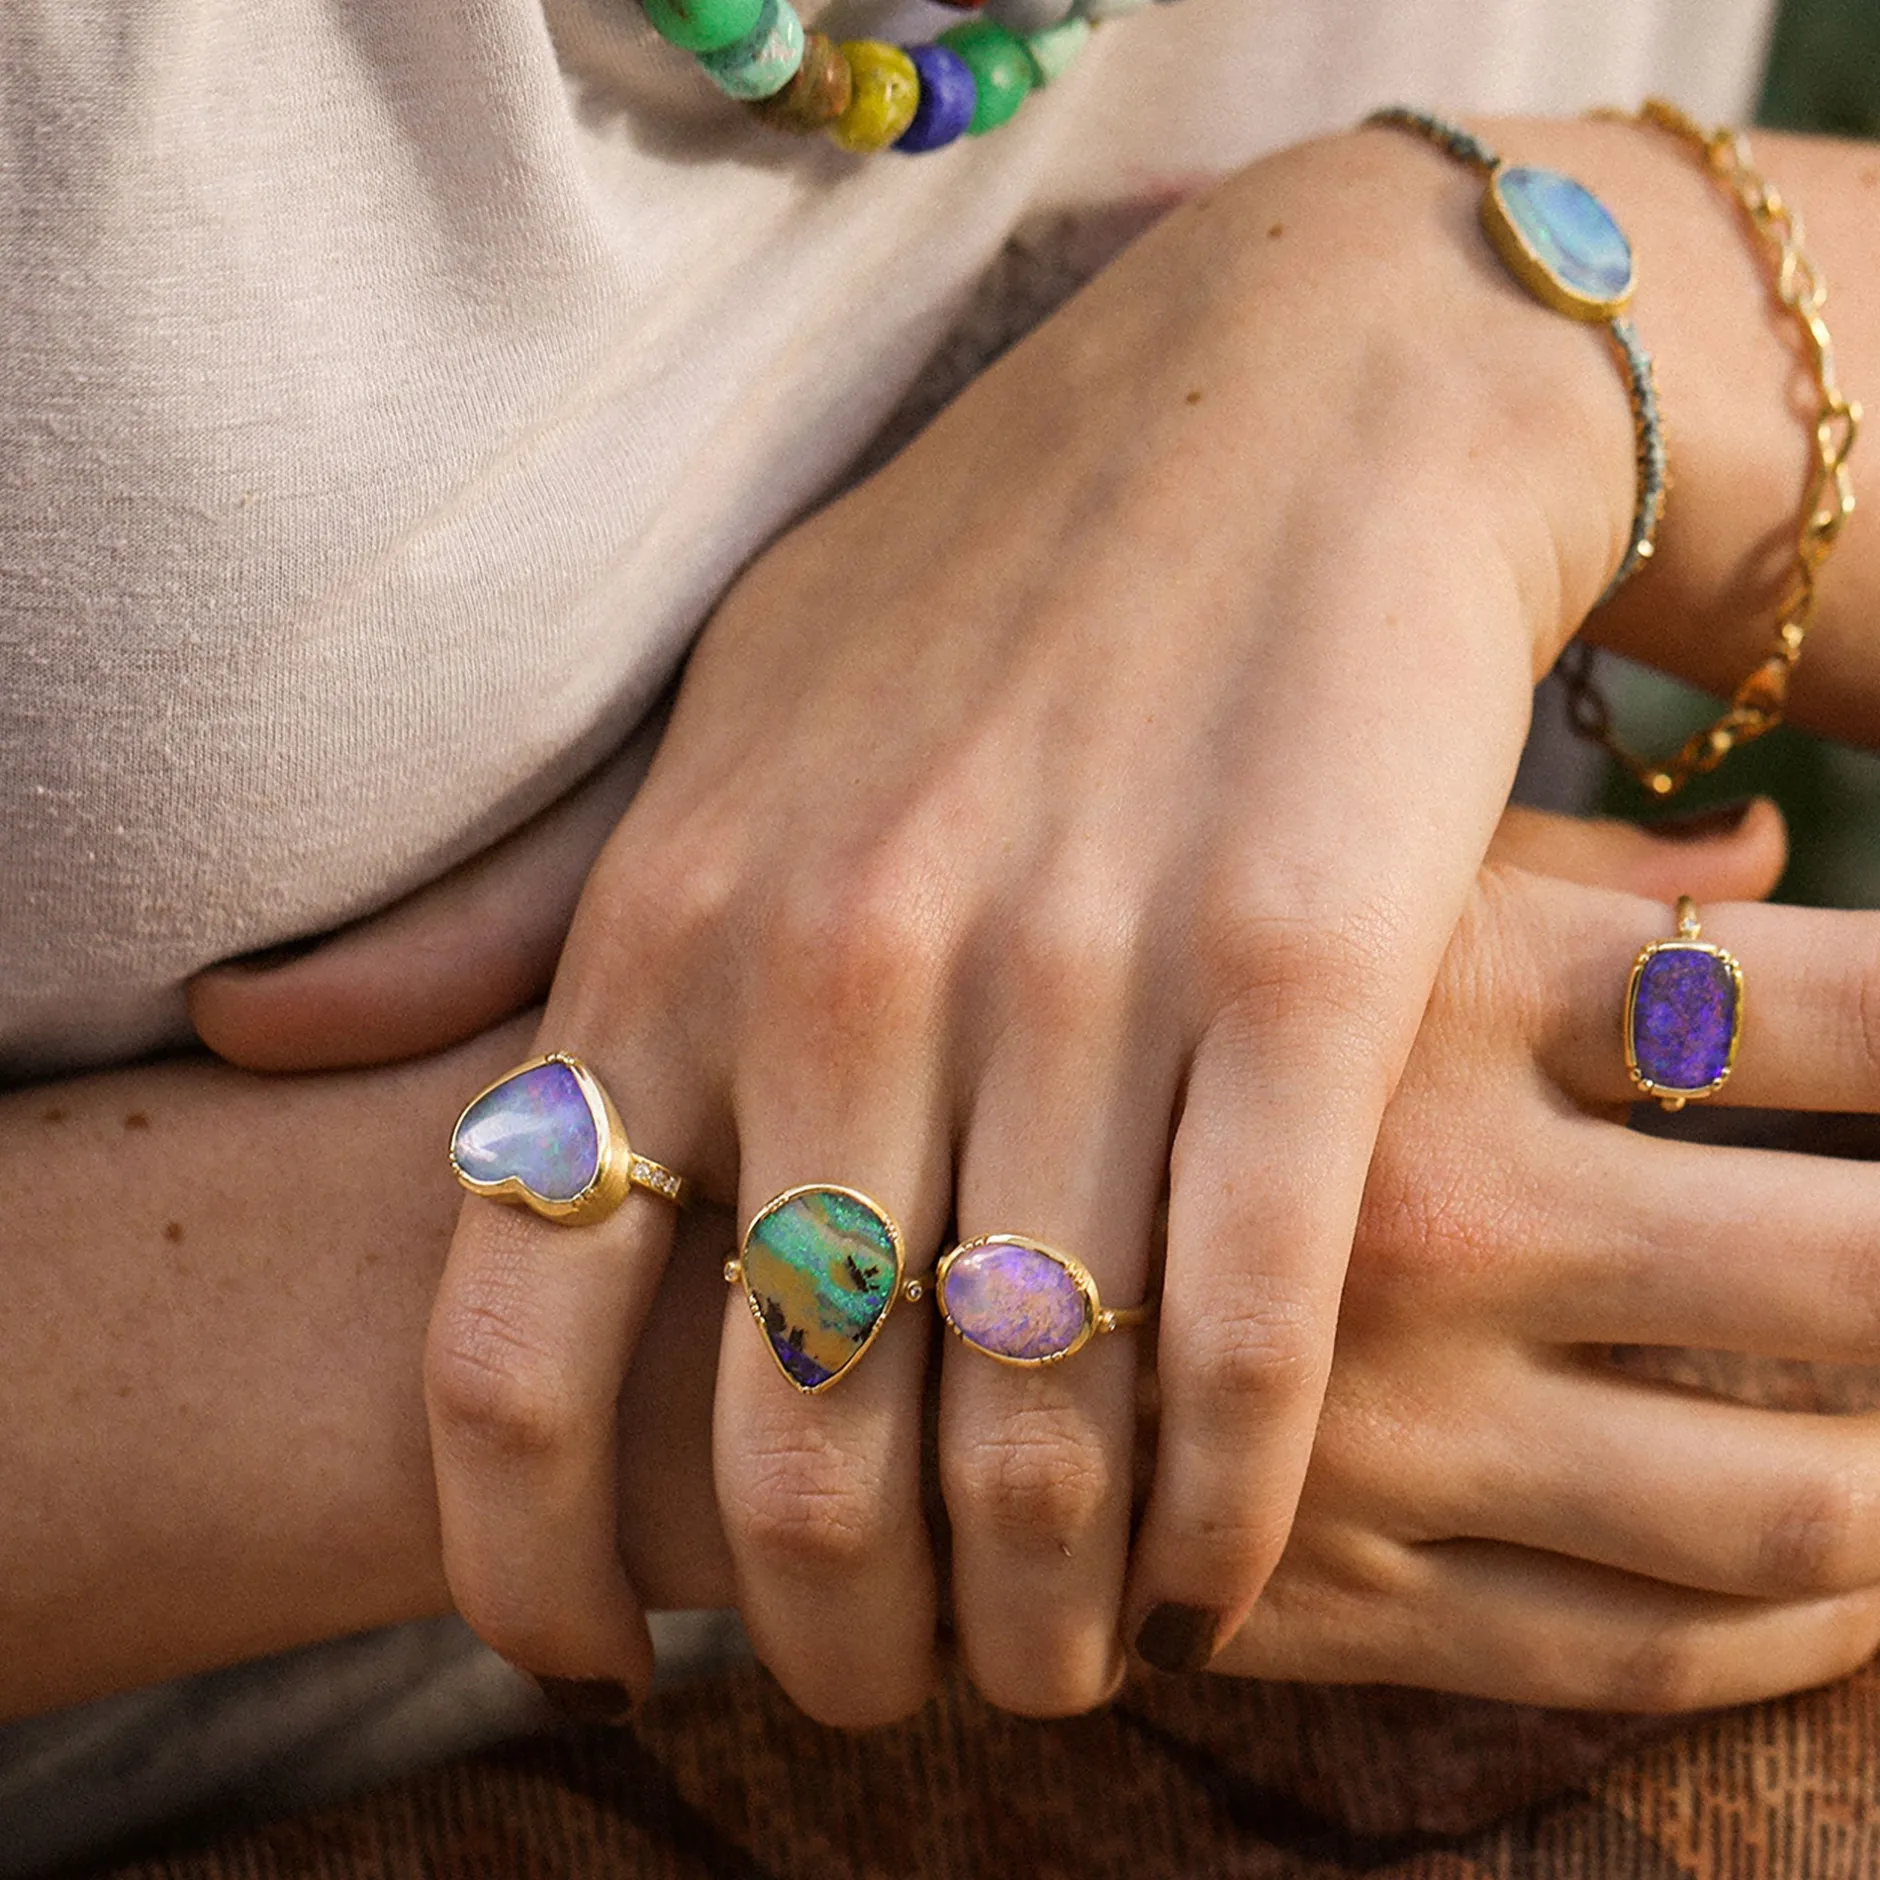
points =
(1495, 1506)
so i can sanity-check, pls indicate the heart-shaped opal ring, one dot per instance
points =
(1683, 1015)
(821, 1268)
(547, 1137)
(1024, 1303)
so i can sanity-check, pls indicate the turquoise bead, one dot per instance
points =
(703, 25)
(1001, 67)
(1054, 51)
(764, 61)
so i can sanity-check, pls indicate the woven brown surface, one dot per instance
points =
(1205, 1782)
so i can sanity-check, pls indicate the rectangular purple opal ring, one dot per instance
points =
(1024, 1303)
(547, 1137)
(1683, 1015)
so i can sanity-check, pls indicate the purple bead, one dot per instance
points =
(948, 96)
(1014, 1301)
(534, 1127)
(1684, 1018)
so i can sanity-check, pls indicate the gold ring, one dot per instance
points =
(547, 1137)
(821, 1267)
(1683, 1015)
(1024, 1303)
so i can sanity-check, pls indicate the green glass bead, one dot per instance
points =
(703, 25)
(1001, 68)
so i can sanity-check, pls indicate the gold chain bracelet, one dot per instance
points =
(1757, 704)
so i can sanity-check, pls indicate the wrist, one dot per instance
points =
(1463, 391)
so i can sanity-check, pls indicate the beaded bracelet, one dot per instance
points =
(1561, 243)
(869, 95)
(1757, 704)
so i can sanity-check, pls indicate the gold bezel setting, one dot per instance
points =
(604, 1190)
(1096, 1321)
(902, 1286)
(1675, 1096)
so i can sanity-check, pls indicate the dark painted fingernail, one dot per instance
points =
(1177, 1638)
(1698, 825)
(267, 959)
(590, 1700)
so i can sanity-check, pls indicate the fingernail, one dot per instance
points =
(1176, 1639)
(267, 959)
(1698, 825)
(590, 1700)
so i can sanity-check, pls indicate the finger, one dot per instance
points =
(443, 964)
(1670, 1485)
(1810, 1026)
(1507, 1623)
(1256, 1259)
(820, 1492)
(1067, 1146)
(1736, 853)
(529, 1342)
(1681, 1244)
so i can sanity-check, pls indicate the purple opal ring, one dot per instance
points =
(1022, 1302)
(1683, 1015)
(547, 1137)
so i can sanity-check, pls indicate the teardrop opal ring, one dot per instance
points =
(547, 1137)
(821, 1267)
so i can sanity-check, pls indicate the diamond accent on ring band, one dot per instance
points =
(661, 1181)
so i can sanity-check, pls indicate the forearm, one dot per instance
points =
(1739, 405)
(215, 1442)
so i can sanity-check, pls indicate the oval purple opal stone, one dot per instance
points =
(1013, 1301)
(1684, 1018)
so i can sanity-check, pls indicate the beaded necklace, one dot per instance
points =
(869, 95)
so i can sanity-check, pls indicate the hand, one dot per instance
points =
(1063, 814)
(1494, 1506)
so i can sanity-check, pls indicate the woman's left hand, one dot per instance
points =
(1076, 811)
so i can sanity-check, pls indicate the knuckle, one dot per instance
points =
(1032, 1481)
(1244, 1364)
(1286, 970)
(1672, 1669)
(1819, 1541)
(486, 1384)
(806, 1511)
(860, 949)
(1866, 1002)
(1072, 956)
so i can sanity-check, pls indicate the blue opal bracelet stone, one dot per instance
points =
(1683, 1015)
(1562, 244)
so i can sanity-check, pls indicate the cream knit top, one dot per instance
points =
(387, 387)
